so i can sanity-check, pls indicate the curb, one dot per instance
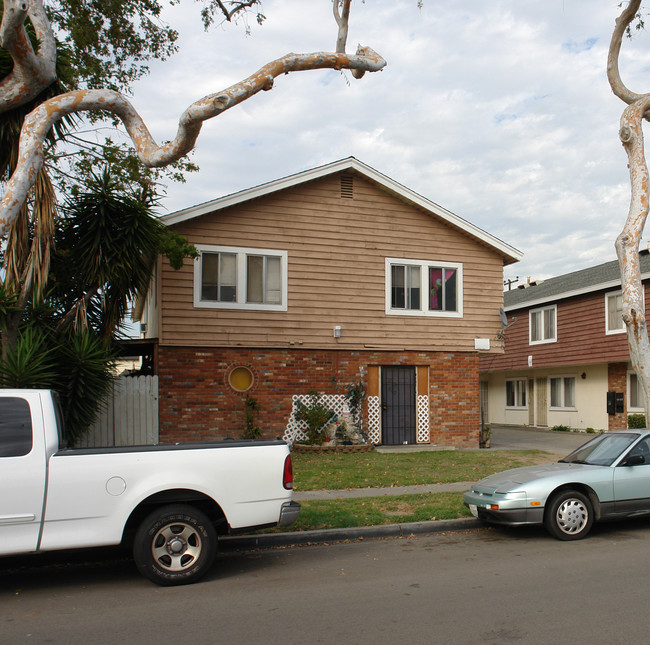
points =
(297, 538)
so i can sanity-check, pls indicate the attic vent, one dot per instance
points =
(347, 186)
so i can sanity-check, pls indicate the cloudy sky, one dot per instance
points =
(498, 110)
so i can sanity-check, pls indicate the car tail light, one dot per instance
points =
(287, 476)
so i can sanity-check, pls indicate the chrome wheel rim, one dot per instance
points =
(176, 547)
(572, 516)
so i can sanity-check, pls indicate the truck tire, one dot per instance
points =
(175, 545)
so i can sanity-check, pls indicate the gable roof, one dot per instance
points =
(576, 283)
(509, 253)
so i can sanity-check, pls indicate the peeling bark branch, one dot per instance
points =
(627, 243)
(31, 72)
(341, 15)
(38, 122)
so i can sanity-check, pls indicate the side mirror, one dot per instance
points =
(633, 460)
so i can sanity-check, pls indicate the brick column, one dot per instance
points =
(617, 382)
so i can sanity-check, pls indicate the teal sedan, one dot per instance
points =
(606, 478)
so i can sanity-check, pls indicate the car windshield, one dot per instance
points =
(603, 450)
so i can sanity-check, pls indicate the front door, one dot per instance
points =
(541, 401)
(398, 405)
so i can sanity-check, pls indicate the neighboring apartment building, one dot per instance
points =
(318, 280)
(566, 358)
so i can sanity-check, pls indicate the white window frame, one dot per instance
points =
(609, 331)
(563, 405)
(541, 311)
(424, 266)
(241, 253)
(632, 378)
(520, 385)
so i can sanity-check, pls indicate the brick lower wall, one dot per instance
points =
(197, 403)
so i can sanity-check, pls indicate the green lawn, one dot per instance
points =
(374, 469)
(379, 470)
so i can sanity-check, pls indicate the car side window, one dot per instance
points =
(15, 427)
(641, 448)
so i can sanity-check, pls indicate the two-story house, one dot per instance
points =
(566, 359)
(327, 278)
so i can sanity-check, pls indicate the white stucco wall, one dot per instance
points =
(590, 397)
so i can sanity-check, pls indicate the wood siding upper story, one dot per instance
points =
(581, 337)
(337, 248)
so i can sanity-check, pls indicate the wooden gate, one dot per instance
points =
(398, 405)
(129, 417)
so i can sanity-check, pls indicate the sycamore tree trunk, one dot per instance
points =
(33, 73)
(627, 243)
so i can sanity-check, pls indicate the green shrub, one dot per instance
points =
(590, 431)
(636, 421)
(561, 428)
(315, 415)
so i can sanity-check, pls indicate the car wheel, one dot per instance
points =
(175, 545)
(569, 515)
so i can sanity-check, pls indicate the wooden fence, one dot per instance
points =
(129, 417)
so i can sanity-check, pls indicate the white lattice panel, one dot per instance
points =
(423, 419)
(295, 430)
(374, 420)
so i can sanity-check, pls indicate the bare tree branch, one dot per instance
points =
(31, 72)
(341, 10)
(613, 73)
(628, 241)
(38, 122)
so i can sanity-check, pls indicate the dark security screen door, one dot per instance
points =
(398, 405)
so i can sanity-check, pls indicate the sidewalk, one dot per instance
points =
(557, 444)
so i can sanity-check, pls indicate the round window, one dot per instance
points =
(241, 379)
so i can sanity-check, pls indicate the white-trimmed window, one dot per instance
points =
(614, 313)
(634, 393)
(240, 278)
(516, 393)
(542, 325)
(563, 391)
(420, 288)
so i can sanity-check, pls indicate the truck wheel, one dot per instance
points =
(175, 545)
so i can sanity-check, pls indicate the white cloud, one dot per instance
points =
(498, 110)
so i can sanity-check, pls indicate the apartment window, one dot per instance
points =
(239, 278)
(634, 393)
(516, 393)
(614, 313)
(563, 391)
(416, 287)
(542, 325)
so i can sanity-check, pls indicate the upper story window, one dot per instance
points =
(239, 278)
(614, 313)
(542, 325)
(420, 288)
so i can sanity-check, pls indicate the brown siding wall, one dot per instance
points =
(581, 338)
(196, 402)
(337, 249)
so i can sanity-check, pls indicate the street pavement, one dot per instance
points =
(557, 444)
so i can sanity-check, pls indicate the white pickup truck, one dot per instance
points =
(169, 502)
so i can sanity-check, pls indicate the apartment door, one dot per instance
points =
(541, 401)
(398, 387)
